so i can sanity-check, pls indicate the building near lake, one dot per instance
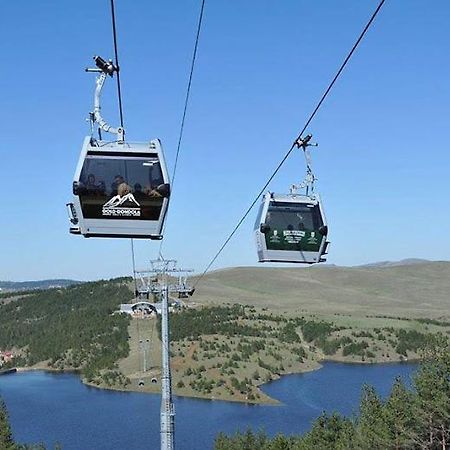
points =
(147, 309)
(6, 357)
(141, 309)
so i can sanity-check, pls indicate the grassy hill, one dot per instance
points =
(407, 290)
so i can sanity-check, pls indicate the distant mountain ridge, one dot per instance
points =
(402, 262)
(39, 284)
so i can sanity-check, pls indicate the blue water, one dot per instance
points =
(52, 408)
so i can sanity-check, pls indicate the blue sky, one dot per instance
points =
(382, 163)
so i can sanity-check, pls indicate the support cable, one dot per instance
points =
(134, 266)
(186, 102)
(295, 143)
(116, 56)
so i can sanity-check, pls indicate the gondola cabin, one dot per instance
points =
(291, 228)
(121, 190)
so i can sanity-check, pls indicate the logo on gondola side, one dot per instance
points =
(122, 206)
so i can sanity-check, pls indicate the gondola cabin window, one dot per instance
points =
(118, 188)
(291, 216)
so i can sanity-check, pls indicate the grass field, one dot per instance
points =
(411, 290)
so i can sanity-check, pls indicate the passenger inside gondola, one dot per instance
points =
(123, 189)
(152, 191)
(118, 180)
(90, 184)
(94, 187)
(137, 192)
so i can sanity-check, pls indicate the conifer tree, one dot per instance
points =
(401, 416)
(6, 440)
(328, 432)
(432, 384)
(373, 432)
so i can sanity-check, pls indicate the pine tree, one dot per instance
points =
(329, 432)
(401, 416)
(373, 431)
(281, 443)
(6, 440)
(432, 384)
(243, 441)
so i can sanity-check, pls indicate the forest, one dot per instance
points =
(71, 328)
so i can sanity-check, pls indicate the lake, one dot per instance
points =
(49, 408)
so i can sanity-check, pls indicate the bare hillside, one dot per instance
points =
(407, 290)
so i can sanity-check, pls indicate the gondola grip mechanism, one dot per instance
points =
(304, 142)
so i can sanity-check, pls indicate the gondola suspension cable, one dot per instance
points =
(297, 143)
(119, 96)
(116, 57)
(186, 102)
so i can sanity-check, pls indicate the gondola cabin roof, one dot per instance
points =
(115, 148)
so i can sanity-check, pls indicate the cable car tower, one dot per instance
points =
(292, 228)
(162, 279)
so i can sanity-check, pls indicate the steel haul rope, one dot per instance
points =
(186, 102)
(116, 56)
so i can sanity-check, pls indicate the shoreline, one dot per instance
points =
(177, 392)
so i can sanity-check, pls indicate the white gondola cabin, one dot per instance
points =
(291, 228)
(120, 190)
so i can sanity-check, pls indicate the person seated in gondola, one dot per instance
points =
(119, 186)
(90, 183)
(118, 180)
(94, 187)
(138, 192)
(123, 189)
(152, 191)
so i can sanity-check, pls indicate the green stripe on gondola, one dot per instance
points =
(293, 240)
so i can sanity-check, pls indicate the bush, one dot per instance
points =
(355, 348)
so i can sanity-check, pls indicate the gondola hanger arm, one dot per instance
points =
(104, 68)
(310, 178)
